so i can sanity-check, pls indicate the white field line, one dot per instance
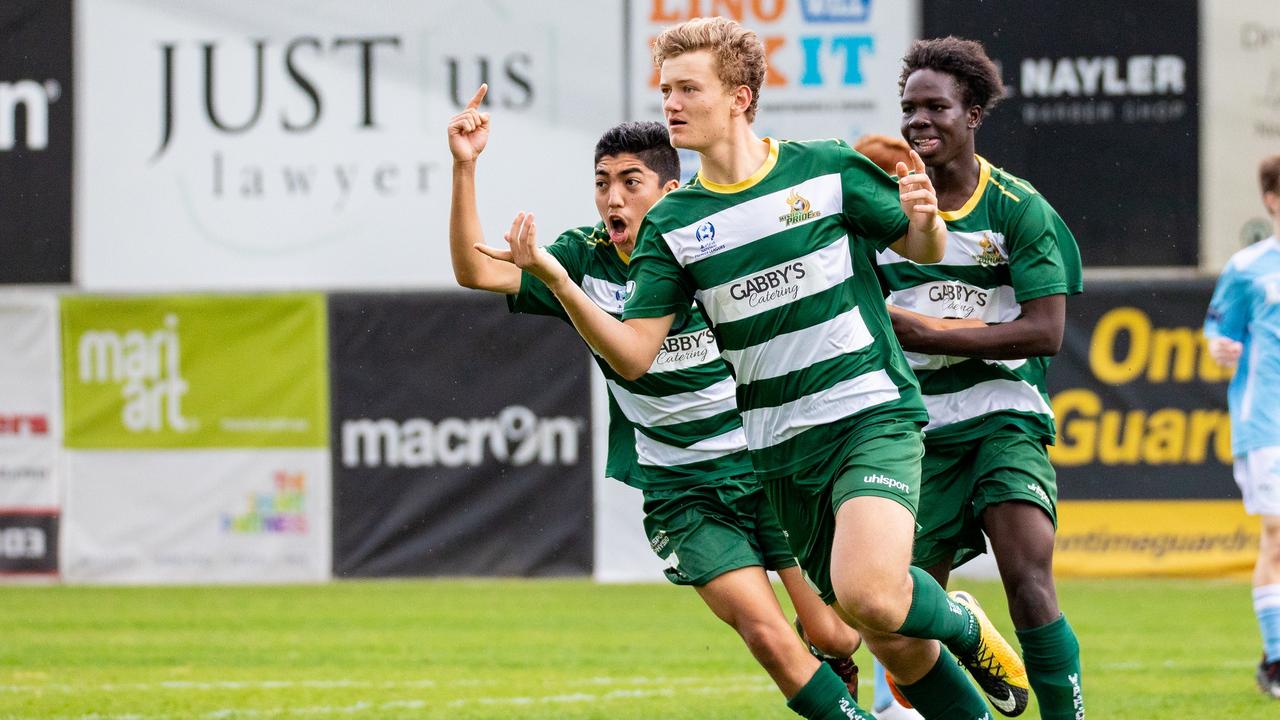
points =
(338, 683)
(364, 706)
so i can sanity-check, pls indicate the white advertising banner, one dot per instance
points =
(242, 144)
(1240, 122)
(30, 418)
(833, 64)
(197, 516)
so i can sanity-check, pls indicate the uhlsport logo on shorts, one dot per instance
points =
(1039, 492)
(875, 479)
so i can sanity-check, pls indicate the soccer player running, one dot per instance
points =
(674, 431)
(762, 240)
(1243, 326)
(1009, 266)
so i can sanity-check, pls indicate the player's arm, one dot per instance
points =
(926, 238)
(1227, 320)
(468, 135)
(629, 347)
(1036, 332)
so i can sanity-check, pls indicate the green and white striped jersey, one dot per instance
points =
(678, 425)
(1005, 246)
(776, 262)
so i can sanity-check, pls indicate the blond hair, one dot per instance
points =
(737, 51)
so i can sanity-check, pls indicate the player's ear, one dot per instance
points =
(741, 100)
(975, 117)
(670, 185)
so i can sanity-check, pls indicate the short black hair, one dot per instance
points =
(648, 141)
(1269, 174)
(964, 60)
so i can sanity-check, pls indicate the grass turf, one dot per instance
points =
(536, 649)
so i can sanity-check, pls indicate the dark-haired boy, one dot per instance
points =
(674, 433)
(980, 328)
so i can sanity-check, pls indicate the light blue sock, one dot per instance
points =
(883, 695)
(1266, 605)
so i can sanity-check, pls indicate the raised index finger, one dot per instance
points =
(917, 164)
(478, 97)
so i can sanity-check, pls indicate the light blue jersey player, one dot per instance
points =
(1243, 327)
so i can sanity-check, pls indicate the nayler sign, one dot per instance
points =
(236, 144)
(35, 141)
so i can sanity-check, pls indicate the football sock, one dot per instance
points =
(1266, 605)
(1052, 655)
(934, 615)
(945, 693)
(825, 697)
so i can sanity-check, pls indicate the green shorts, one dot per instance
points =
(961, 479)
(705, 531)
(879, 458)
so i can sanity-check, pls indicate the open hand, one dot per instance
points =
(525, 253)
(469, 129)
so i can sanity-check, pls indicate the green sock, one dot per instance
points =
(945, 693)
(1052, 655)
(825, 697)
(933, 615)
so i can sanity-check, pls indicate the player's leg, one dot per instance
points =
(1017, 499)
(900, 610)
(744, 599)
(708, 538)
(1260, 486)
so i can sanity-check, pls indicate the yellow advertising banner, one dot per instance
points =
(1167, 538)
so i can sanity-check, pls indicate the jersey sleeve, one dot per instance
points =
(871, 206)
(1043, 256)
(534, 297)
(657, 284)
(1229, 308)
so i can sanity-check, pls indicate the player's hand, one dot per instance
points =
(916, 193)
(525, 253)
(469, 129)
(1225, 351)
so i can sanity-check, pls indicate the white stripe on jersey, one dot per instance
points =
(955, 299)
(843, 334)
(747, 222)
(651, 411)
(963, 248)
(780, 285)
(659, 454)
(772, 425)
(608, 296)
(985, 397)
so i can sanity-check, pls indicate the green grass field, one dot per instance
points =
(535, 649)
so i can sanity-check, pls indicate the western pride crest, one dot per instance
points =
(990, 255)
(798, 210)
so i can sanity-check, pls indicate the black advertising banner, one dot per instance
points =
(35, 141)
(1101, 93)
(461, 438)
(28, 543)
(1140, 404)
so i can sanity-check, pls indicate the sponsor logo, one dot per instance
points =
(958, 300)
(686, 350)
(1084, 90)
(988, 254)
(516, 436)
(1077, 695)
(1006, 704)
(23, 425)
(836, 10)
(280, 511)
(147, 365)
(888, 482)
(770, 285)
(1039, 492)
(29, 100)
(659, 541)
(705, 235)
(798, 210)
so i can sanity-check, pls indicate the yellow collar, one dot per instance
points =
(755, 178)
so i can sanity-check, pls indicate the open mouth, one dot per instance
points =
(925, 144)
(674, 123)
(617, 229)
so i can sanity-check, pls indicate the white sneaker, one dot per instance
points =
(895, 711)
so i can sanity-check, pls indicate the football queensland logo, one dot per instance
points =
(798, 210)
(989, 254)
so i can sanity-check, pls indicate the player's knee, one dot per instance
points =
(769, 642)
(833, 637)
(872, 606)
(1032, 598)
